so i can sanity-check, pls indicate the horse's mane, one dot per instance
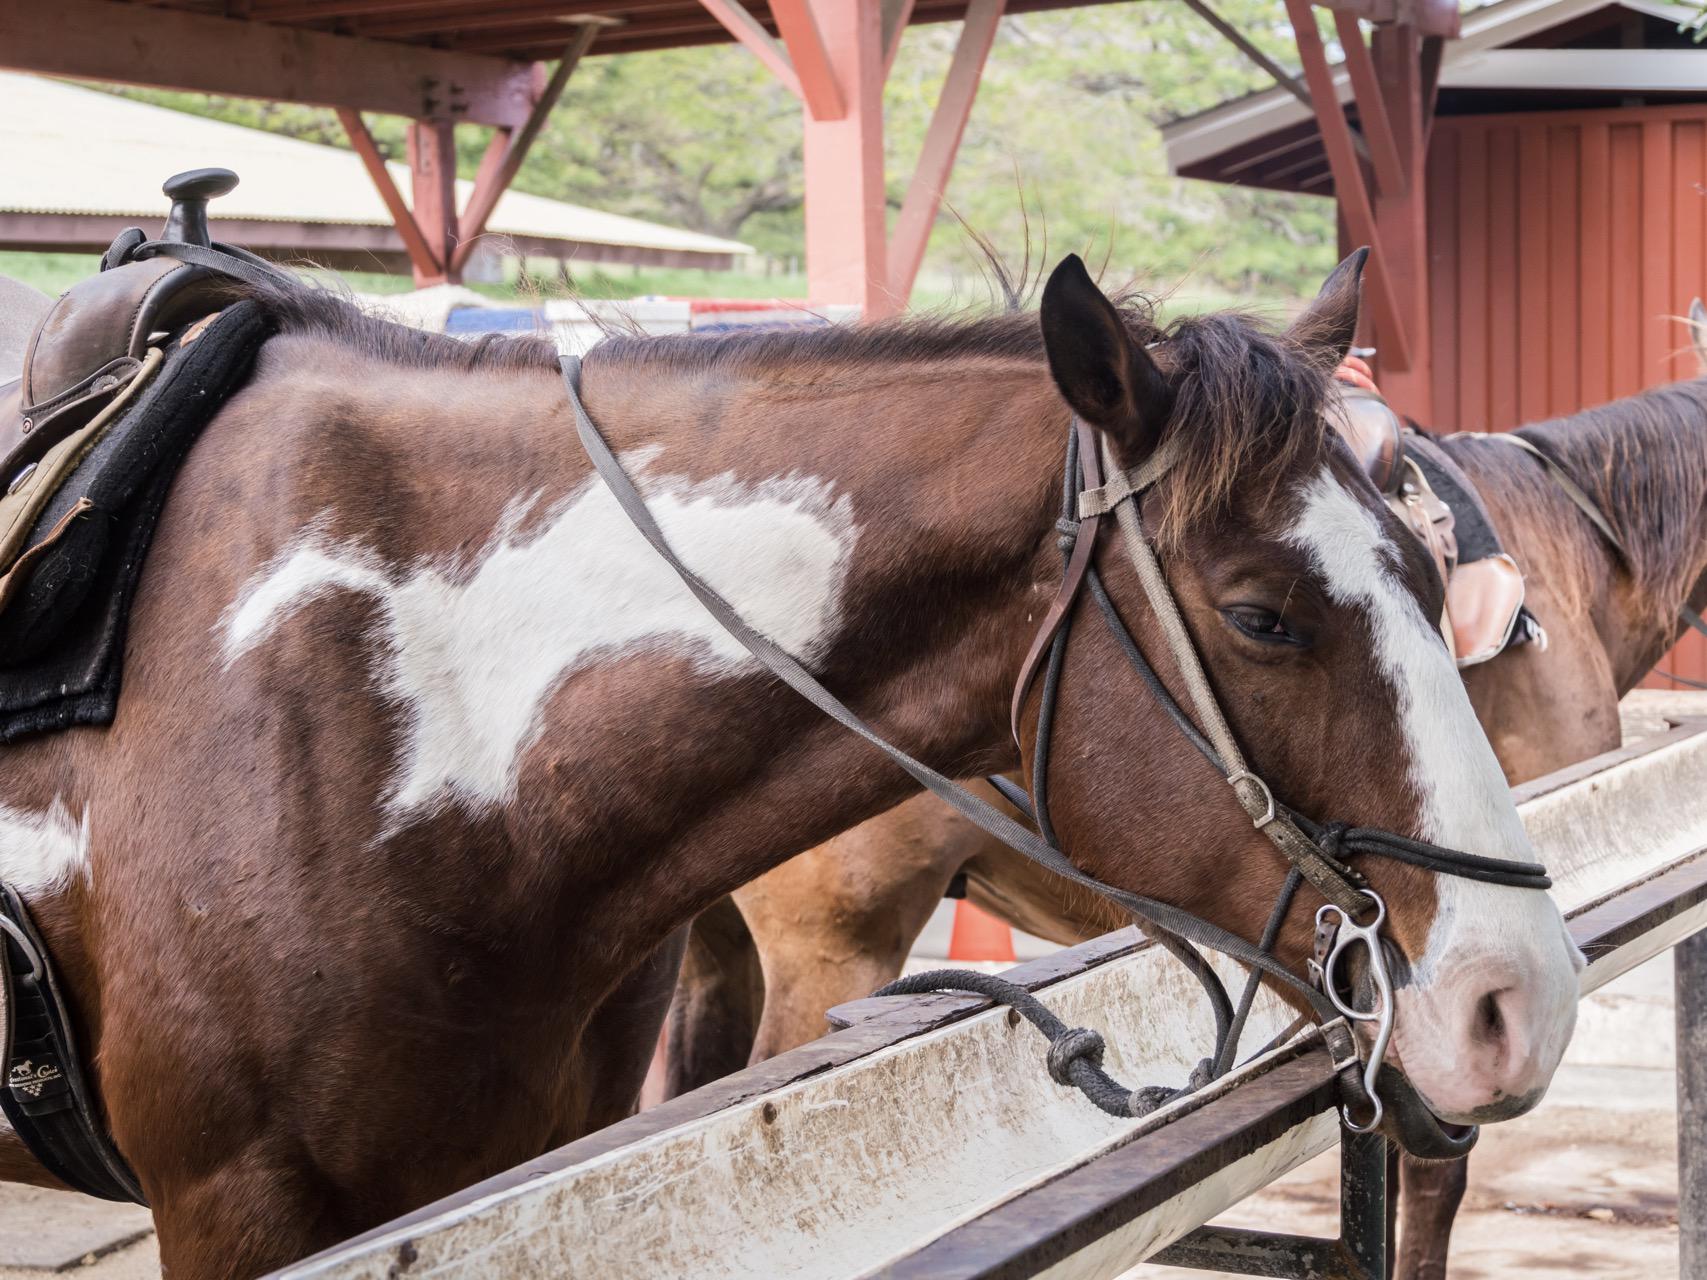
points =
(1251, 399)
(1643, 460)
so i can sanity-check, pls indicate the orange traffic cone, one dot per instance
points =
(978, 935)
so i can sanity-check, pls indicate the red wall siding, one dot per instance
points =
(1561, 246)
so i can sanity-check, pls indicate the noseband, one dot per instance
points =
(1315, 851)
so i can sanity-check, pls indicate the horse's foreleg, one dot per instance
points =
(1429, 1195)
(719, 999)
(836, 923)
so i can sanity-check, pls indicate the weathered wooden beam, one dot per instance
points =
(896, 15)
(1374, 124)
(820, 88)
(503, 161)
(1349, 186)
(1431, 17)
(741, 24)
(432, 170)
(175, 49)
(1279, 74)
(421, 255)
(919, 209)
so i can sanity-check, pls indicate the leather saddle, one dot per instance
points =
(96, 347)
(1483, 612)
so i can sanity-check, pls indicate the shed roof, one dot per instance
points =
(90, 153)
(1513, 55)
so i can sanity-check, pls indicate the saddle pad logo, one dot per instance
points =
(27, 1078)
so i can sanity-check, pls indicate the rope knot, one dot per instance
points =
(1332, 840)
(1068, 1047)
(1067, 533)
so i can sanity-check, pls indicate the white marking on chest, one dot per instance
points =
(42, 851)
(472, 650)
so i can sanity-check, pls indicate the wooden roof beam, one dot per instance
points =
(819, 89)
(912, 231)
(1373, 122)
(739, 21)
(1349, 187)
(1431, 17)
(507, 150)
(422, 257)
(177, 49)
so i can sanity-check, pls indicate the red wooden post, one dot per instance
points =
(432, 166)
(1401, 214)
(846, 253)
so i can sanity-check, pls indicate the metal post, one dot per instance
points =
(1368, 1179)
(1690, 957)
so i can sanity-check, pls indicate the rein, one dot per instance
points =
(1315, 851)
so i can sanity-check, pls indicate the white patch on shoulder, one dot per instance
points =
(473, 649)
(42, 851)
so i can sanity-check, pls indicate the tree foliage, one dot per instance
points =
(1062, 149)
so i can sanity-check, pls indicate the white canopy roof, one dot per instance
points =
(67, 149)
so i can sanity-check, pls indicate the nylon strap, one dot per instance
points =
(975, 809)
(1571, 489)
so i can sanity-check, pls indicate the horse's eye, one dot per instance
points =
(1260, 624)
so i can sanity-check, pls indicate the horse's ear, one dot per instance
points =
(1108, 379)
(1698, 332)
(1329, 323)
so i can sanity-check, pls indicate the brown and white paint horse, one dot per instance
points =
(422, 751)
(837, 922)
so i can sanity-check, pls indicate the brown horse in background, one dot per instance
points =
(837, 922)
(422, 750)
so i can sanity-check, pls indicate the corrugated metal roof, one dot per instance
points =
(75, 150)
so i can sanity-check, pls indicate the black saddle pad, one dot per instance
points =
(62, 640)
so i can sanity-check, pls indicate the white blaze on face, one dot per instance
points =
(40, 852)
(1483, 935)
(473, 650)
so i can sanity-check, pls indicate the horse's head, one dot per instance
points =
(1312, 611)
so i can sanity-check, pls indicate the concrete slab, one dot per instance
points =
(55, 1230)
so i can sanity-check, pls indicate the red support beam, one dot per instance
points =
(846, 253)
(1349, 187)
(1431, 17)
(1377, 130)
(421, 256)
(432, 168)
(177, 49)
(498, 168)
(738, 20)
(896, 15)
(821, 85)
(1402, 216)
(942, 142)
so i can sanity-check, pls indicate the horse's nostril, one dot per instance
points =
(1490, 1020)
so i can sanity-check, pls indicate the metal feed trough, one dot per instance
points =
(926, 1139)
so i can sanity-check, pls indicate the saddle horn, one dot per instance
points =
(189, 192)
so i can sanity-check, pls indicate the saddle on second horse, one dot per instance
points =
(1483, 613)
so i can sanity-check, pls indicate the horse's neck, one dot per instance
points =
(895, 538)
(1644, 461)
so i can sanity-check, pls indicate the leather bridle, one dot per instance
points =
(1316, 852)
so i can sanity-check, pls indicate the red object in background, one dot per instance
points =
(979, 936)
